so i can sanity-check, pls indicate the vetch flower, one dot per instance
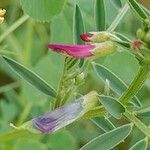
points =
(62, 116)
(84, 51)
(98, 37)
(78, 51)
(2, 13)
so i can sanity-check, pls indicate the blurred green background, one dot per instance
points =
(19, 101)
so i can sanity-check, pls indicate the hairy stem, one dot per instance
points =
(136, 84)
(139, 124)
(60, 89)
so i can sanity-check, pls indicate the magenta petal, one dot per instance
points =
(78, 51)
(86, 37)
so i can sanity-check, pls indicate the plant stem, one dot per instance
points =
(136, 84)
(13, 27)
(16, 134)
(60, 89)
(8, 87)
(137, 123)
(119, 17)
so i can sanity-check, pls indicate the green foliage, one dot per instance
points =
(100, 16)
(115, 137)
(103, 123)
(24, 39)
(116, 84)
(140, 145)
(137, 9)
(78, 25)
(43, 10)
(117, 3)
(114, 107)
(31, 77)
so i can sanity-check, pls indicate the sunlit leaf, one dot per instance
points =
(31, 77)
(114, 107)
(100, 15)
(110, 139)
(43, 10)
(116, 84)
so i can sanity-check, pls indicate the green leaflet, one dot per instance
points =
(117, 3)
(78, 25)
(110, 139)
(100, 17)
(140, 145)
(114, 107)
(103, 123)
(137, 9)
(43, 10)
(143, 112)
(116, 84)
(31, 77)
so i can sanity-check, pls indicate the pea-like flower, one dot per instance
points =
(62, 116)
(84, 51)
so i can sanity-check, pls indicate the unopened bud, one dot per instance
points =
(98, 37)
(80, 77)
(147, 38)
(140, 34)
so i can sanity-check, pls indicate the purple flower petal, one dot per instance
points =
(78, 51)
(58, 118)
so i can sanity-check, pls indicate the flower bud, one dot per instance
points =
(98, 37)
(140, 34)
(147, 38)
(80, 77)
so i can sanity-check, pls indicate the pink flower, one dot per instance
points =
(84, 51)
(77, 51)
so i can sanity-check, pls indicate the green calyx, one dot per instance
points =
(90, 101)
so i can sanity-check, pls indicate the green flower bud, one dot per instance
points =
(147, 38)
(80, 77)
(140, 34)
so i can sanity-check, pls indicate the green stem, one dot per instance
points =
(13, 27)
(9, 87)
(24, 114)
(60, 89)
(12, 135)
(119, 17)
(137, 123)
(136, 84)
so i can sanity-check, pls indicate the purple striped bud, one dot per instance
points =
(62, 116)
